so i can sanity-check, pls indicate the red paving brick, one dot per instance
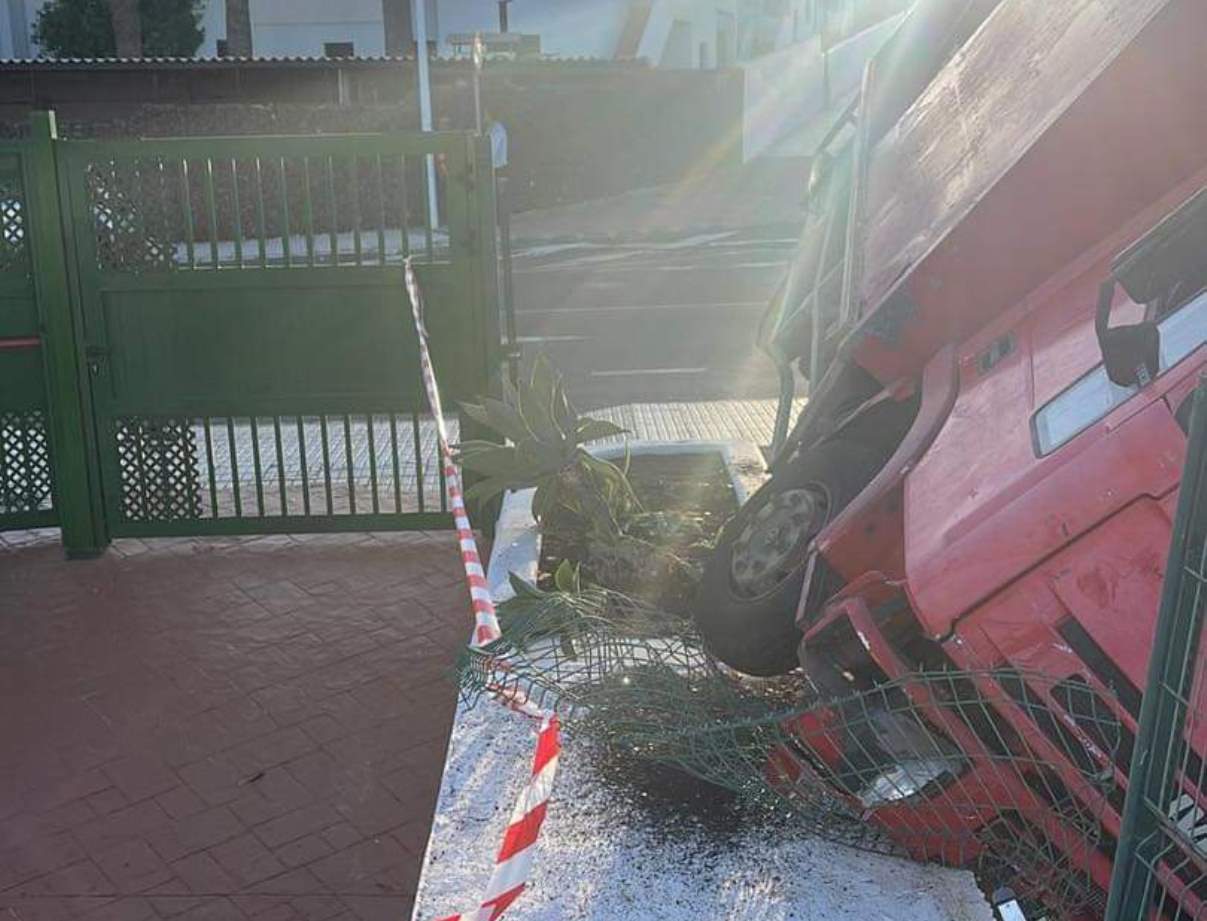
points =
(220, 729)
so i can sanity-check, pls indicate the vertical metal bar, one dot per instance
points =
(209, 462)
(513, 346)
(237, 216)
(190, 235)
(165, 211)
(286, 231)
(348, 461)
(1162, 711)
(394, 463)
(417, 434)
(354, 166)
(443, 483)
(257, 468)
(212, 204)
(70, 423)
(276, 432)
(333, 236)
(308, 212)
(234, 454)
(261, 229)
(326, 463)
(305, 471)
(372, 464)
(405, 244)
(380, 182)
(140, 471)
(428, 245)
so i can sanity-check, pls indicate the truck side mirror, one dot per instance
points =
(1131, 354)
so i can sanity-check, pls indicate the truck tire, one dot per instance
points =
(746, 605)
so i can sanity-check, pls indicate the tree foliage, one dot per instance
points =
(83, 28)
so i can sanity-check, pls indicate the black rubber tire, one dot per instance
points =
(758, 635)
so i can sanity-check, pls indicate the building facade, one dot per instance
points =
(667, 33)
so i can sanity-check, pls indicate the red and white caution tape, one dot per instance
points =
(513, 864)
(514, 860)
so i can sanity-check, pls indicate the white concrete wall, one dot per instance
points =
(786, 90)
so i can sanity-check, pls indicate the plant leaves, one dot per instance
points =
(566, 577)
(543, 500)
(492, 460)
(538, 404)
(500, 418)
(487, 489)
(523, 588)
(478, 413)
(593, 429)
(564, 413)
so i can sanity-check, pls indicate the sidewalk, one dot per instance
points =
(242, 727)
(223, 729)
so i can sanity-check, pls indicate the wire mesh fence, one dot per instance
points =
(924, 766)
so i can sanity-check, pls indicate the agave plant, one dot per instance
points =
(544, 449)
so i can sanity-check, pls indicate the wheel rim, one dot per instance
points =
(767, 552)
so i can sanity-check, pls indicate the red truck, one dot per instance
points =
(1000, 304)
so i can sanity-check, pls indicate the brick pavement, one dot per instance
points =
(213, 729)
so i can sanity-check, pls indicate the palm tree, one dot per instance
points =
(127, 27)
(238, 29)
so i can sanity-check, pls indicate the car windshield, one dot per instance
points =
(1094, 395)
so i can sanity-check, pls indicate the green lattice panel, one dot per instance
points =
(14, 256)
(158, 466)
(25, 476)
(129, 216)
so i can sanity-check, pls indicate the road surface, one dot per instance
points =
(652, 322)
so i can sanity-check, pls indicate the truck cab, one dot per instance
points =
(1000, 306)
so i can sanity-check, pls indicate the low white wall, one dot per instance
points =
(786, 89)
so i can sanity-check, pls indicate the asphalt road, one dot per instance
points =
(652, 322)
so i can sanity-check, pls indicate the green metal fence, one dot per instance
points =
(1161, 863)
(237, 342)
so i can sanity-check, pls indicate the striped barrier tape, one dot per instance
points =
(513, 863)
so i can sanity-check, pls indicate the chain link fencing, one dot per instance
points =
(924, 766)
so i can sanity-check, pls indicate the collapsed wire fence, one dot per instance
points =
(924, 766)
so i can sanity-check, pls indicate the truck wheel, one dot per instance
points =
(751, 585)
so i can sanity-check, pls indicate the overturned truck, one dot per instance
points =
(1000, 306)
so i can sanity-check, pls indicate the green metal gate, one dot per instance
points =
(1161, 863)
(242, 349)
(25, 476)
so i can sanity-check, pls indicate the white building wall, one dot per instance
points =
(568, 28)
(16, 15)
(213, 25)
(785, 91)
(683, 33)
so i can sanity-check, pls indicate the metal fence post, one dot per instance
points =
(1152, 776)
(484, 296)
(76, 478)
